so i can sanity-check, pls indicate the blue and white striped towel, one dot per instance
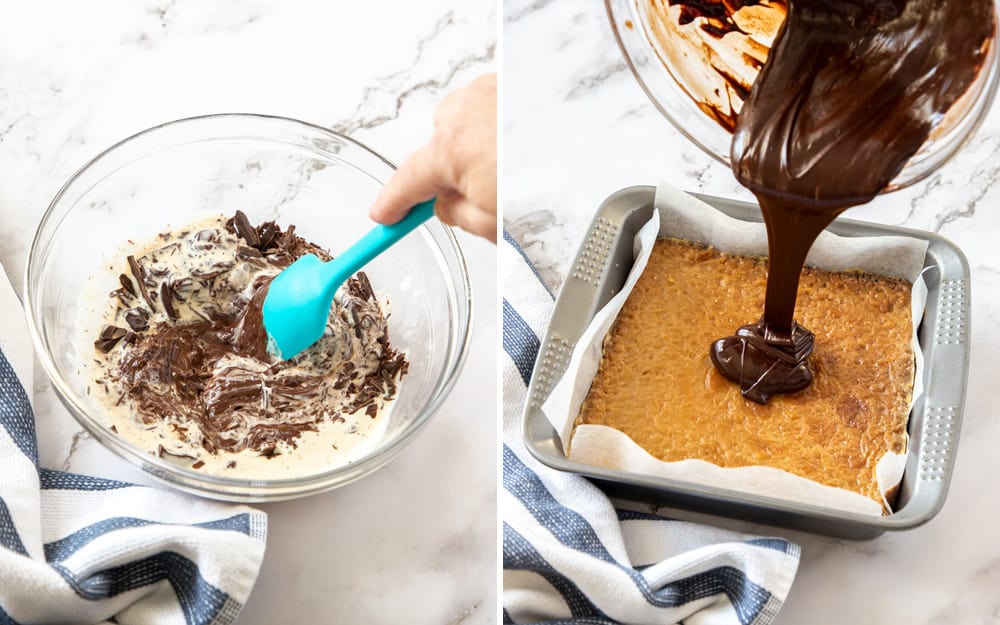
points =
(571, 557)
(83, 550)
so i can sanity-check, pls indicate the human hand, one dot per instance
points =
(458, 165)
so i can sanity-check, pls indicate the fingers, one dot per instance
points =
(419, 178)
(458, 211)
(458, 166)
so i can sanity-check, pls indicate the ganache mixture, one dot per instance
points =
(183, 363)
(850, 91)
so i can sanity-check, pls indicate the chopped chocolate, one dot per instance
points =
(112, 332)
(245, 230)
(180, 431)
(166, 298)
(126, 283)
(248, 252)
(266, 232)
(353, 318)
(342, 381)
(198, 464)
(195, 369)
(214, 271)
(361, 287)
(109, 337)
(140, 278)
(137, 319)
(163, 451)
(209, 446)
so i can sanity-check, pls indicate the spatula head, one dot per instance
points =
(297, 306)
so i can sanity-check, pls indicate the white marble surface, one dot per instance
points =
(578, 127)
(415, 542)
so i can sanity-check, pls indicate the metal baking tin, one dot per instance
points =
(599, 271)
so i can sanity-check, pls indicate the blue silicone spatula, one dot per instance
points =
(298, 301)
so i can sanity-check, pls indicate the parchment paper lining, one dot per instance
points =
(682, 216)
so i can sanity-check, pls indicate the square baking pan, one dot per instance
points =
(599, 271)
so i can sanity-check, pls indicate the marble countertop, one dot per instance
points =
(410, 543)
(577, 127)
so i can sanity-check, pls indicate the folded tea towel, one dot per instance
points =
(571, 557)
(82, 550)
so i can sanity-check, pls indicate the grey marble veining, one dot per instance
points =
(384, 101)
(577, 128)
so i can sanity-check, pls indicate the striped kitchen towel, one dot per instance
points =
(82, 550)
(571, 557)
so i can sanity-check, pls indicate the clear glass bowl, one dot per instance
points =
(630, 21)
(271, 168)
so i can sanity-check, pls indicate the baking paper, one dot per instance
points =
(682, 216)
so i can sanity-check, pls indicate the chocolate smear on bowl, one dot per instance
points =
(850, 91)
(714, 49)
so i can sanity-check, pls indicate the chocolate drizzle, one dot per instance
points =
(200, 364)
(761, 367)
(850, 91)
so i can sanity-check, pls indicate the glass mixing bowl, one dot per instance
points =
(635, 24)
(271, 168)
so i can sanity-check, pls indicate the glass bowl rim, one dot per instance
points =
(240, 489)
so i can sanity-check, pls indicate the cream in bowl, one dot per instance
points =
(156, 189)
(180, 359)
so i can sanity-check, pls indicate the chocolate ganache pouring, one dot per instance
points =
(850, 91)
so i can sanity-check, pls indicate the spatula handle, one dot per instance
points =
(380, 238)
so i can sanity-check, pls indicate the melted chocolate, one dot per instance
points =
(718, 13)
(850, 91)
(202, 366)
